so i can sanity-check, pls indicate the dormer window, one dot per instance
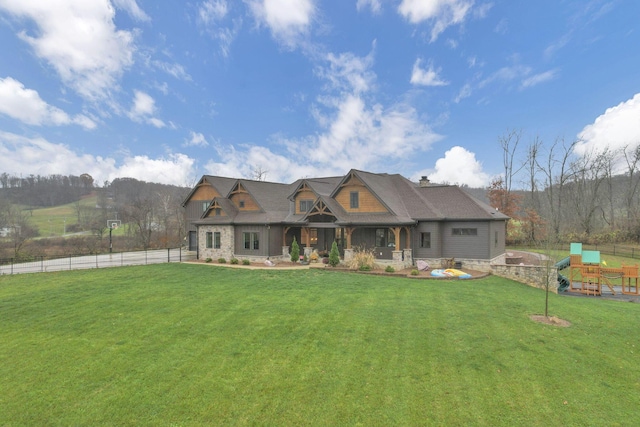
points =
(305, 205)
(241, 204)
(217, 211)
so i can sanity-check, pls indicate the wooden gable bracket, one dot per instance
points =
(320, 209)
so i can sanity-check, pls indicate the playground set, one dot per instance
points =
(588, 276)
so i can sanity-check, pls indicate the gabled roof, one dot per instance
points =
(406, 201)
(452, 202)
(223, 203)
(222, 185)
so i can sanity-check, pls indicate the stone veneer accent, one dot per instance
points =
(226, 242)
(533, 275)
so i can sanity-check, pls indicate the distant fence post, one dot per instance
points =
(11, 265)
(180, 256)
(41, 263)
(145, 257)
(168, 254)
(96, 260)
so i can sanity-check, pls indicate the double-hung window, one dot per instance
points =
(251, 240)
(209, 240)
(216, 240)
(425, 240)
(305, 205)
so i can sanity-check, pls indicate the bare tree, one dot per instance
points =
(632, 161)
(556, 175)
(588, 173)
(258, 173)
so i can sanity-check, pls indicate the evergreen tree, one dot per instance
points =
(334, 255)
(295, 250)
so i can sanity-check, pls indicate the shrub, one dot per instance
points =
(414, 272)
(295, 250)
(362, 257)
(334, 255)
(234, 261)
(222, 260)
(208, 260)
(390, 269)
(246, 262)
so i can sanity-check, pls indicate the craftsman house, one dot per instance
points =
(401, 220)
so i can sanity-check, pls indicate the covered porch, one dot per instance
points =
(387, 243)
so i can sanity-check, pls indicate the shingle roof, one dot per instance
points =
(406, 201)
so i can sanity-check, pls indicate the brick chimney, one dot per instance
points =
(424, 181)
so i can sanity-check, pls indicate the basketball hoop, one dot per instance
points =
(113, 223)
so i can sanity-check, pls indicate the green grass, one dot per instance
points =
(202, 345)
(53, 221)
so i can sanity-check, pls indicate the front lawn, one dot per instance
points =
(182, 345)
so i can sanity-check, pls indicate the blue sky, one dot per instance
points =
(167, 91)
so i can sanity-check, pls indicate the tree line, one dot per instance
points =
(44, 190)
(554, 192)
(151, 215)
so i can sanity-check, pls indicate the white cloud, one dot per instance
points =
(212, 10)
(465, 92)
(25, 105)
(458, 166)
(428, 77)
(539, 78)
(347, 72)
(288, 20)
(132, 9)
(212, 14)
(617, 128)
(21, 155)
(354, 131)
(441, 13)
(374, 5)
(144, 109)
(196, 139)
(78, 38)
(176, 70)
(175, 168)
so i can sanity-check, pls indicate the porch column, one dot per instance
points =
(285, 230)
(408, 242)
(396, 233)
(306, 236)
(348, 231)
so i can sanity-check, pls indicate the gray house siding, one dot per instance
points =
(274, 238)
(263, 234)
(194, 210)
(466, 246)
(497, 236)
(433, 228)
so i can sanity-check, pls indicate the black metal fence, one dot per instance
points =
(615, 250)
(43, 264)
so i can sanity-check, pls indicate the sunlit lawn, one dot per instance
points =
(202, 345)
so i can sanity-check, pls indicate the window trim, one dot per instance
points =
(217, 240)
(307, 202)
(424, 234)
(251, 239)
(354, 199)
(464, 231)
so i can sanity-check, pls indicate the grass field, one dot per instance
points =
(184, 345)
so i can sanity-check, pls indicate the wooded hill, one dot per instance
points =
(49, 207)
